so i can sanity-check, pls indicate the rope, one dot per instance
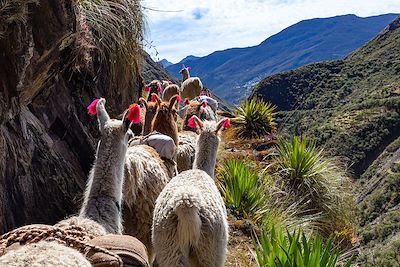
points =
(72, 236)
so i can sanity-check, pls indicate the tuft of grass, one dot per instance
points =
(255, 118)
(117, 27)
(286, 249)
(318, 182)
(241, 189)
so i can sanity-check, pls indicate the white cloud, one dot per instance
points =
(201, 27)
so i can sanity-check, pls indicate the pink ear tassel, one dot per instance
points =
(153, 98)
(226, 124)
(159, 89)
(192, 123)
(209, 94)
(186, 102)
(204, 104)
(92, 107)
(178, 99)
(147, 89)
(188, 68)
(134, 113)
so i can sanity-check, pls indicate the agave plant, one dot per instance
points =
(255, 118)
(241, 189)
(280, 248)
(307, 174)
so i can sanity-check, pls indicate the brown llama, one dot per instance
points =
(165, 120)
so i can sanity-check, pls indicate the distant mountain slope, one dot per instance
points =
(351, 107)
(231, 73)
(165, 63)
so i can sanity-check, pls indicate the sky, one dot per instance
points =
(178, 28)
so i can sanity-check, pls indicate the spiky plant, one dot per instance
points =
(241, 188)
(306, 174)
(117, 27)
(280, 248)
(255, 118)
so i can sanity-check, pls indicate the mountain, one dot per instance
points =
(233, 72)
(351, 107)
(165, 63)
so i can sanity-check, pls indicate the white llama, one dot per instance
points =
(189, 224)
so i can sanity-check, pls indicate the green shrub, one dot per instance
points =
(284, 249)
(315, 181)
(255, 118)
(241, 188)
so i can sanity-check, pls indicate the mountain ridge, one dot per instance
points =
(232, 72)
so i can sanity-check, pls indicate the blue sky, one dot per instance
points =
(191, 27)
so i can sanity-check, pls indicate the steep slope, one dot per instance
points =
(165, 63)
(231, 73)
(352, 108)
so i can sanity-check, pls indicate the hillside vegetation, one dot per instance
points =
(351, 107)
(231, 73)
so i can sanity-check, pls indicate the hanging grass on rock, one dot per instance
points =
(117, 28)
(255, 118)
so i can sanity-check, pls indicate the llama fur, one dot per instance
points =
(170, 91)
(189, 224)
(44, 254)
(191, 86)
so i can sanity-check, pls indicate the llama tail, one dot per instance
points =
(189, 227)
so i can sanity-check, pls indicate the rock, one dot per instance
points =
(47, 139)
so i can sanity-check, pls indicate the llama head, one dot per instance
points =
(195, 108)
(185, 71)
(167, 109)
(150, 107)
(112, 130)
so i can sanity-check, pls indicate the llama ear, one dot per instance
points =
(175, 98)
(157, 98)
(143, 102)
(195, 121)
(223, 124)
(102, 115)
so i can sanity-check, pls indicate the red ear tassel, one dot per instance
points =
(192, 123)
(153, 98)
(133, 113)
(159, 89)
(226, 124)
(204, 104)
(209, 94)
(178, 99)
(186, 102)
(147, 89)
(92, 107)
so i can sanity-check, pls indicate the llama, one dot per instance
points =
(100, 212)
(154, 87)
(146, 174)
(170, 91)
(103, 195)
(46, 254)
(149, 111)
(189, 224)
(187, 137)
(191, 86)
(165, 120)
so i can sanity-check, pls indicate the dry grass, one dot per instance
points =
(117, 28)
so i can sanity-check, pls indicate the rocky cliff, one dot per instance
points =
(49, 72)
